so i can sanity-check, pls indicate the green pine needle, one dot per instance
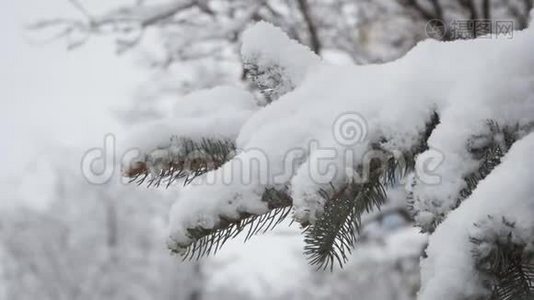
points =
(193, 159)
(334, 234)
(508, 266)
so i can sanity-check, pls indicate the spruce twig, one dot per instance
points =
(190, 160)
(504, 260)
(210, 241)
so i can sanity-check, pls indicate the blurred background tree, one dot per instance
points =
(194, 43)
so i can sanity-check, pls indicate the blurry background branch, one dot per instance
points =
(195, 43)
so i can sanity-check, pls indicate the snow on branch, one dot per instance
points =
(273, 61)
(449, 271)
(197, 137)
(503, 251)
(444, 110)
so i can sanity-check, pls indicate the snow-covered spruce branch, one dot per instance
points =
(458, 175)
(486, 150)
(209, 241)
(503, 256)
(330, 238)
(484, 244)
(185, 159)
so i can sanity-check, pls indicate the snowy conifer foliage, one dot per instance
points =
(450, 121)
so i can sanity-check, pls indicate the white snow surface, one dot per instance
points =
(216, 113)
(265, 45)
(448, 272)
(295, 139)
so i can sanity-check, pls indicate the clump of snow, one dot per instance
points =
(448, 272)
(275, 62)
(498, 87)
(216, 114)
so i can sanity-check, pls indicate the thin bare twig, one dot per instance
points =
(312, 29)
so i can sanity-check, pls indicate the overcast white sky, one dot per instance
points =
(50, 96)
